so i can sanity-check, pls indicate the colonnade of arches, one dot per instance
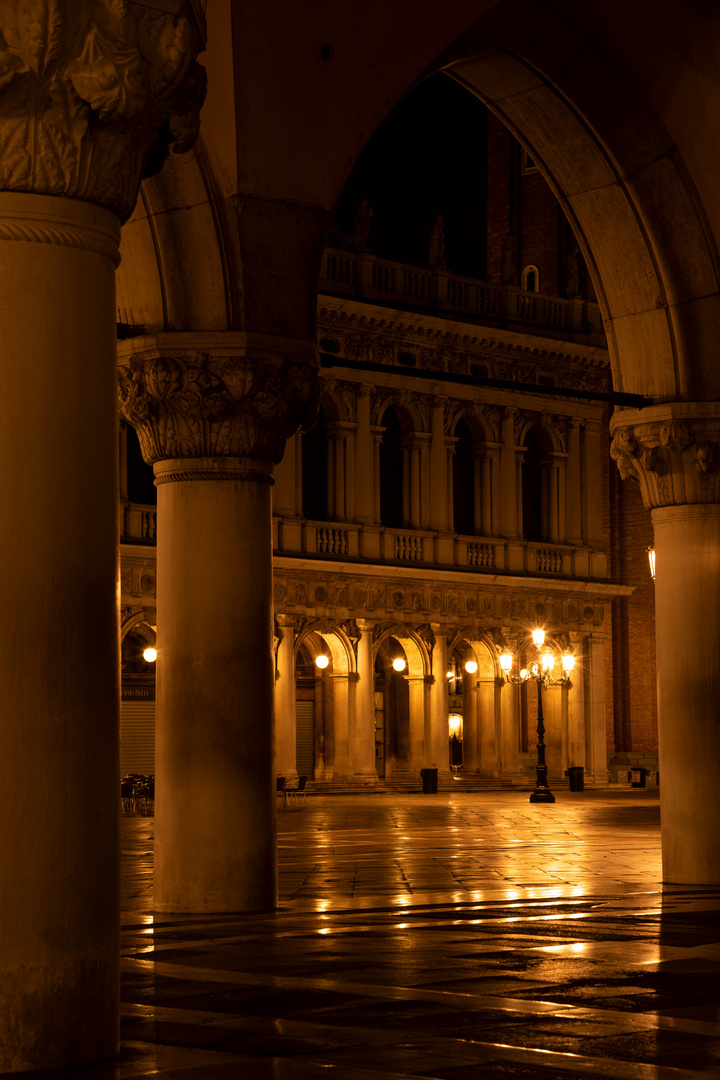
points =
(362, 702)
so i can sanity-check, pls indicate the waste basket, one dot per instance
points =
(576, 777)
(429, 779)
(637, 777)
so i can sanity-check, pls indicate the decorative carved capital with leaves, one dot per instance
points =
(93, 94)
(190, 404)
(671, 450)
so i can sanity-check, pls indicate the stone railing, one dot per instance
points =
(408, 547)
(362, 274)
(138, 524)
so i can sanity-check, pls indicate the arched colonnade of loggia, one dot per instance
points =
(619, 185)
(371, 720)
(221, 262)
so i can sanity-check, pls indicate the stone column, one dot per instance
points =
(576, 705)
(363, 744)
(487, 728)
(438, 469)
(364, 460)
(285, 734)
(595, 726)
(573, 497)
(470, 719)
(212, 412)
(509, 727)
(439, 702)
(592, 484)
(73, 147)
(508, 477)
(672, 450)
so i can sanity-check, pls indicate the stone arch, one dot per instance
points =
(175, 271)
(415, 649)
(623, 187)
(335, 639)
(410, 416)
(138, 624)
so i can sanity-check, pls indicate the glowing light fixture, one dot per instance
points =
(651, 559)
(399, 663)
(150, 655)
(322, 660)
(455, 725)
(451, 674)
(470, 667)
(541, 671)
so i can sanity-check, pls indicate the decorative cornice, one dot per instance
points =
(93, 94)
(672, 450)
(186, 403)
(360, 336)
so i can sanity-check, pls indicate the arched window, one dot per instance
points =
(532, 489)
(314, 472)
(531, 279)
(391, 472)
(463, 481)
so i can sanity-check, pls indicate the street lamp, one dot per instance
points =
(541, 671)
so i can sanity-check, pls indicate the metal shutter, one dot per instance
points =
(305, 738)
(137, 737)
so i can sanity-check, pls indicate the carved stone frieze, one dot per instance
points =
(671, 450)
(191, 404)
(366, 337)
(93, 94)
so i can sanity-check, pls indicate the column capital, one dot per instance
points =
(365, 626)
(671, 450)
(215, 396)
(94, 95)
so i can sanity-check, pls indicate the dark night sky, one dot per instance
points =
(428, 157)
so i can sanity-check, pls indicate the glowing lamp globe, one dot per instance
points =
(568, 662)
(150, 655)
(322, 661)
(399, 663)
(471, 667)
(506, 662)
(538, 637)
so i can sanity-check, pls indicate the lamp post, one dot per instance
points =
(541, 671)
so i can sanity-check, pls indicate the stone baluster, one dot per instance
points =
(74, 144)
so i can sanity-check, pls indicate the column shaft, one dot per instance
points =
(214, 726)
(285, 732)
(59, 797)
(363, 748)
(508, 478)
(687, 585)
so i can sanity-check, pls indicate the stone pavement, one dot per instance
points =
(438, 936)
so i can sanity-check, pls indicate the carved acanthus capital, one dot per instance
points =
(671, 450)
(191, 403)
(93, 93)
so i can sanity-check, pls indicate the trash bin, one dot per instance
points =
(429, 779)
(637, 777)
(575, 775)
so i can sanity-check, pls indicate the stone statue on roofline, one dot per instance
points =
(436, 255)
(363, 225)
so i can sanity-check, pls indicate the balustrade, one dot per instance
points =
(414, 285)
(139, 524)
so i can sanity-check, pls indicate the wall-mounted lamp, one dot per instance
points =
(150, 655)
(651, 559)
(470, 667)
(399, 664)
(322, 661)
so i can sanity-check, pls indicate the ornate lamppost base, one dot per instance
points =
(542, 795)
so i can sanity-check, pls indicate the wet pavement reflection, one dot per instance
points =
(449, 936)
